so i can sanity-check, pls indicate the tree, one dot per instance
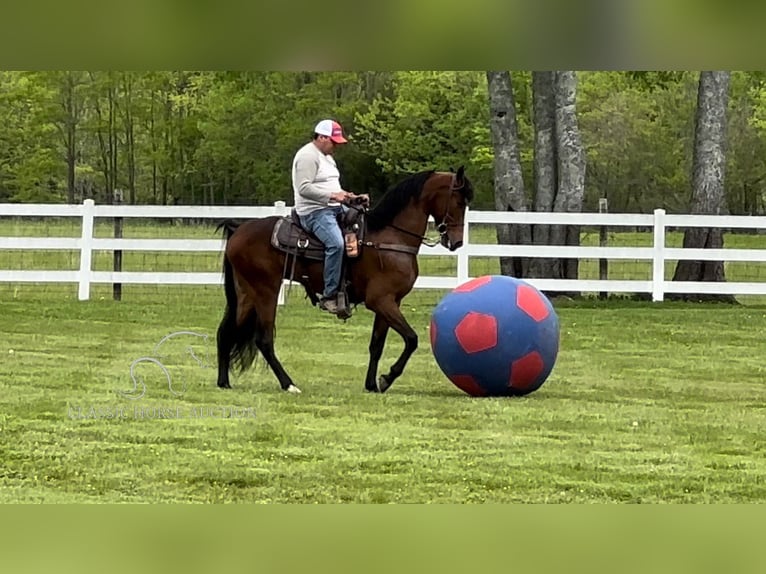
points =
(559, 167)
(570, 166)
(708, 174)
(62, 107)
(745, 145)
(545, 168)
(30, 166)
(430, 120)
(103, 91)
(638, 136)
(509, 180)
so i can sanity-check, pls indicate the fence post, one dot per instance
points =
(117, 287)
(603, 241)
(86, 248)
(462, 254)
(280, 208)
(658, 257)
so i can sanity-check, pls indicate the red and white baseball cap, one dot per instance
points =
(331, 129)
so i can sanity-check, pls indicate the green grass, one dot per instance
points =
(647, 403)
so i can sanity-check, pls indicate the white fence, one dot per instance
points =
(658, 253)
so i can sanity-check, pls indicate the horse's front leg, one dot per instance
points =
(392, 315)
(377, 342)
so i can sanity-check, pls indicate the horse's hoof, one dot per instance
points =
(383, 384)
(373, 389)
(293, 389)
(224, 386)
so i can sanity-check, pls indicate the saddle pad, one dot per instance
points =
(290, 238)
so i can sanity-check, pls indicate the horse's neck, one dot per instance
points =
(414, 220)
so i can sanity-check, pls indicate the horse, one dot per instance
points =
(380, 276)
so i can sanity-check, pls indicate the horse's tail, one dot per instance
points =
(229, 226)
(236, 339)
(229, 288)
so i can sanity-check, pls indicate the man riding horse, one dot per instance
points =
(319, 200)
(261, 252)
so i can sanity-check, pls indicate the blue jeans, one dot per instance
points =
(324, 225)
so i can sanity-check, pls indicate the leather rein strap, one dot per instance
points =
(392, 247)
(446, 222)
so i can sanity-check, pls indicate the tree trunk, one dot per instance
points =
(130, 146)
(112, 136)
(545, 165)
(105, 145)
(70, 122)
(571, 165)
(509, 182)
(153, 138)
(708, 170)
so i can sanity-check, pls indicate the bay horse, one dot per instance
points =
(382, 274)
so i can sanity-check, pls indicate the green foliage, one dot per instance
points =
(194, 137)
(29, 168)
(431, 120)
(746, 165)
(638, 145)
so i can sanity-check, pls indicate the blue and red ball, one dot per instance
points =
(495, 336)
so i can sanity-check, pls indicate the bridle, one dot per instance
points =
(446, 222)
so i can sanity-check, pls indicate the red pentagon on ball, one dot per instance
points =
(476, 332)
(468, 384)
(473, 284)
(432, 332)
(529, 301)
(524, 371)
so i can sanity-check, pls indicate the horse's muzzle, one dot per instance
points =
(448, 243)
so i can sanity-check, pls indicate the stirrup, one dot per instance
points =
(343, 311)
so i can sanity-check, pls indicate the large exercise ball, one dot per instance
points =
(495, 336)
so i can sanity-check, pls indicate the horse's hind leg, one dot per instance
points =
(227, 331)
(229, 334)
(264, 339)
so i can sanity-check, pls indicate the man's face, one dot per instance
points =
(326, 145)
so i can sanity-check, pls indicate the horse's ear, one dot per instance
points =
(460, 173)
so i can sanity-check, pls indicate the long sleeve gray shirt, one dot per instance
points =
(315, 177)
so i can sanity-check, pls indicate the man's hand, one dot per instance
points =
(340, 196)
(362, 199)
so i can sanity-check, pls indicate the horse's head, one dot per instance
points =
(450, 195)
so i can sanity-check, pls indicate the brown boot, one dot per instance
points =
(329, 304)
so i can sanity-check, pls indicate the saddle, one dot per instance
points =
(292, 238)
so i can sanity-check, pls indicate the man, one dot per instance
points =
(318, 198)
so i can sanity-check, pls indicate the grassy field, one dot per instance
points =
(647, 403)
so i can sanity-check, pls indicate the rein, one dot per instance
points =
(442, 227)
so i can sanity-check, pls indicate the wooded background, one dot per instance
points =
(688, 142)
(191, 137)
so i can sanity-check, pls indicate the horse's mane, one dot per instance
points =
(395, 199)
